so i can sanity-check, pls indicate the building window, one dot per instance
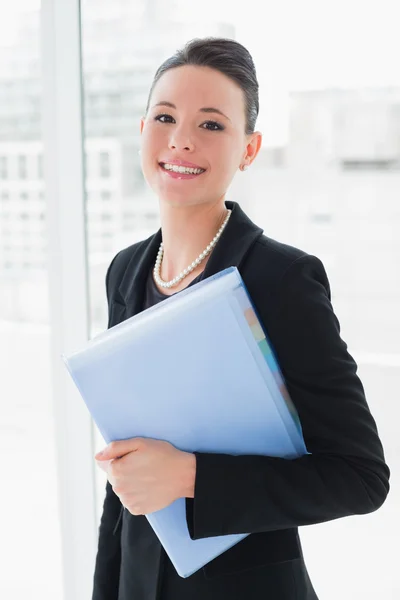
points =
(368, 165)
(151, 218)
(104, 164)
(3, 167)
(23, 196)
(106, 217)
(40, 166)
(22, 167)
(321, 218)
(105, 195)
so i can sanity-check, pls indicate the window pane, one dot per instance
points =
(29, 504)
(326, 180)
(3, 167)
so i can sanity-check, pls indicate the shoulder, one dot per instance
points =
(273, 266)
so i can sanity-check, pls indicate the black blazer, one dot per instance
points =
(345, 474)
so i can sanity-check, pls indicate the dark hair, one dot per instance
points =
(225, 55)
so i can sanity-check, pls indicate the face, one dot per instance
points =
(196, 117)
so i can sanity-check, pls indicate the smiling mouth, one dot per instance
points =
(181, 170)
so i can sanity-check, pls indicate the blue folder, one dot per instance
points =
(198, 371)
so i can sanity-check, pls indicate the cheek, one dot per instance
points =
(227, 150)
(151, 140)
(225, 158)
(150, 150)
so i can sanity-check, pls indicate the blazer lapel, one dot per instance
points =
(237, 239)
(234, 244)
(133, 283)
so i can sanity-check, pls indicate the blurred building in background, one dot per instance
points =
(339, 170)
(326, 180)
(124, 43)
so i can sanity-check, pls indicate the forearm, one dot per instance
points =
(248, 494)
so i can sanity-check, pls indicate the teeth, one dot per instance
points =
(178, 169)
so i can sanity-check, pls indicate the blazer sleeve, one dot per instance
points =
(345, 474)
(108, 558)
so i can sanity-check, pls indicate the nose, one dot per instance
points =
(173, 147)
(180, 140)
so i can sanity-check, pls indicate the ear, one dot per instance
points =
(253, 146)
(142, 119)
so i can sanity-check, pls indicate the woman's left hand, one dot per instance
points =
(148, 475)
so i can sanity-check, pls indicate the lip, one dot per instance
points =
(180, 163)
(178, 175)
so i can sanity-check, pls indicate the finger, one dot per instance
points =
(118, 449)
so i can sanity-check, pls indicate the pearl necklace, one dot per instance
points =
(190, 268)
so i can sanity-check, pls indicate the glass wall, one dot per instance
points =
(30, 533)
(122, 45)
(327, 180)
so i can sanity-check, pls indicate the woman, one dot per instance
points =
(201, 114)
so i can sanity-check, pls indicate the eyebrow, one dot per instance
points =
(207, 109)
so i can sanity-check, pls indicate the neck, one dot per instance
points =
(186, 232)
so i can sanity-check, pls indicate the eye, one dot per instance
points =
(158, 118)
(211, 125)
(216, 126)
